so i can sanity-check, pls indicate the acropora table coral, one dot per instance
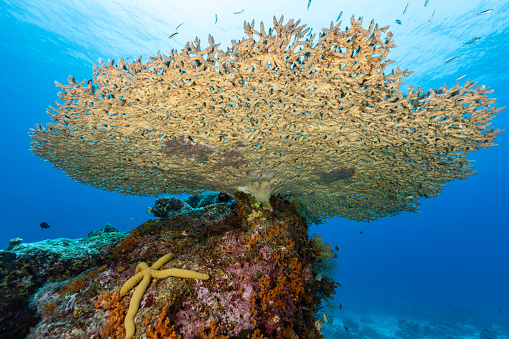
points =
(319, 120)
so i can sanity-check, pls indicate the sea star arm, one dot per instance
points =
(163, 260)
(130, 328)
(129, 284)
(179, 273)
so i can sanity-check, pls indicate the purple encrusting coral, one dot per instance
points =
(261, 267)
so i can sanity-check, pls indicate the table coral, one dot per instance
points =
(319, 119)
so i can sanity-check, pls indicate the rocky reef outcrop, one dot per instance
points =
(261, 262)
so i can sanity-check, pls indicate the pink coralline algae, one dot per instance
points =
(266, 252)
(232, 309)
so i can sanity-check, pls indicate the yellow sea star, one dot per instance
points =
(145, 275)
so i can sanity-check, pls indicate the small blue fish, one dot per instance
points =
(426, 3)
(339, 16)
(178, 26)
(451, 60)
(485, 12)
(472, 41)
(309, 3)
(216, 20)
(398, 21)
(239, 12)
(406, 7)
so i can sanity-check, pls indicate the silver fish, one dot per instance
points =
(426, 3)
(472, 41)
(174, 34)
(406, 7)
(461, 76)
(451, 60)
(178, 26)
(432, 15)
(216, 20)
(485, 12)
(309, 3)
(239, 12)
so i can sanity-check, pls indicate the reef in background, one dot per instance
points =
(268, 279)
(26, 267)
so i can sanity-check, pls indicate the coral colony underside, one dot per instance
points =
(266, 279)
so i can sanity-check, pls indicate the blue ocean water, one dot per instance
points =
(448, 263)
